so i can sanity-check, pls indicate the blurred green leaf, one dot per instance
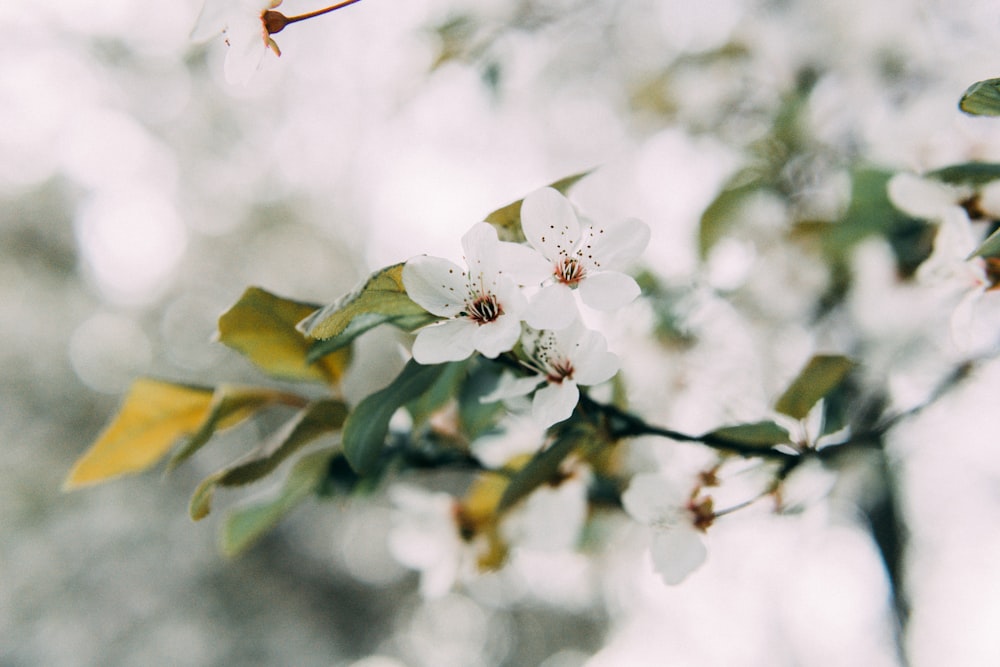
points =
(764, 434)
(967, 173)
(981, 98)
(541, 469)
(988, 248)
(367, 425)
(477, 417)
(153, 416)
(437, 395)
(245, 525)
(720, 215)
(261, 326)
(381, 299)
(231, 404)
(317, 419)
(507, 220)
(820, 376)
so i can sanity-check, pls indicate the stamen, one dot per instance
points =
(570, 271)
(485, 309)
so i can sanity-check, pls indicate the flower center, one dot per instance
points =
(557, 371)
(484, 309)
(569, 271)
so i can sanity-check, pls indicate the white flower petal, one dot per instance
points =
(592, 363)
(445, 341)
(498, 336)
(921, 197)
(651, 499)
(554, 403)
(677, 552)
(436, 285)
(246, 53)
(553, 308)
(550, 519)
(550, 223)
(618, 245)
(608, 290)
(524, 264)
(511, 386)
(481, 246)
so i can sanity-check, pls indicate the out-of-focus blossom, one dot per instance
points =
(552, 517)
(424, 536)
(677, 519)
(563, 360)
(587, 259)
(244, 25)
(483, 304)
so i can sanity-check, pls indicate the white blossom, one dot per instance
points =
(563, 361)
(574, 257)
(483, 305)
(676, 521)
(242, 24)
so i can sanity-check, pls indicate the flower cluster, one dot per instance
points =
(524, 296)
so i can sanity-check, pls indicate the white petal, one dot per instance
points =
(653, 499)
(510, 297)
(618, 245)
(498, 336)
(553, 308)
(436, 285)
(592, 363)
(550, 223)
(921, 197)
(481, 247)
(677, 552)
(608, 290)
(511, 386)
(555, 402)
(551, 518)
(524, 264)
(446, 341)
(247, 50)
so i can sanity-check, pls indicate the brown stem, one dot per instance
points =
(319, 12)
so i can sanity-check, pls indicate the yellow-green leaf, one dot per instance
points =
(317, 419)
(247, 524)
(982, 98)
(262, 327)
(507, 220)
(764, 434)
(542, 468)
(153, 416)
(381, 299)
(231, 404)
(820, 376)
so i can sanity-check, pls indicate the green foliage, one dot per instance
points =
(967, 173)
(763, 434)
(820, 376)
(543, 468)
(231, 405)
(988, 248)
(981, 98)
(245, 525)
(381, 299)
(317, 419)
(366, 428)
(261, 326)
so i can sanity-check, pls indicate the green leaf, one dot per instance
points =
(820, 376)
(967, 173)
(541, 469)
(764, 434)
(718, 218)
(366, 427)
(261, 326)
(981, 98)
(315, 420)
(245, 525)
(231, 404)
(443, 389)
(507, 220)
(381, 299)
(988, 248)
(153, 416)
